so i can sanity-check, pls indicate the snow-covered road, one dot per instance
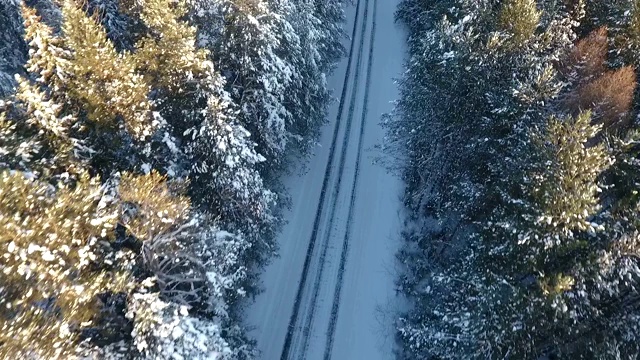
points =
(327, 294)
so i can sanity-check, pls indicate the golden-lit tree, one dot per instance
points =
(168, 56)
(56, 259)
(520, 19)
(58, 254)
(60, 244)
(104, 81)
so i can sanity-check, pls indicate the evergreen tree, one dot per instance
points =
(118, 105)
(54, 264)
(63, 257)
(12, 49)
(60, 118)
(519, 18)
(521, 268)
(274, 56)
(245, 45)
(219, 156)
(621, 18)
(515, 150)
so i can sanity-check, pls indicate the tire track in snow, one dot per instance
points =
(354, 194)
(336, 187)
(325, 182)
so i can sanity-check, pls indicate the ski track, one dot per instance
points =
(331, 292)
(316, 223)
(354, 193)
(336, 188)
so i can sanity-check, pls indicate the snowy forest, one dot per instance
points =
(140, 147)
(143, 146)
(518, 131)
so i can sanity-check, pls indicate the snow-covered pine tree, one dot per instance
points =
(110, 107)
(330, 13)
(550, 272)
(118, 26)
(469, 68)
(274, 56)
(50, 130)
(65, 260)
(115, 89)
(509, 293)
(220, 158)
(12, 46)
(56, 260)
(244, 41)
(306, 90)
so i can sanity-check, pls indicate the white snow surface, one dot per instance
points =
(360, 219)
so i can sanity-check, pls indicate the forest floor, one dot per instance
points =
(331, 292)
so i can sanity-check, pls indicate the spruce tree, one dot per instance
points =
(548, 266)
(124, 237)
(520, 19)
(119, 104)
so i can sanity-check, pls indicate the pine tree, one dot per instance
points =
(628, 41)
(220, 157)
(116, 23)
(57, 259)
(622, 19)
(102, 79)
(110, 108)
(510, 291)
(520, 19)
(552, 270)
(55, 282)
(246, 45)
(126, 92)
(12, 48)
(48, 131)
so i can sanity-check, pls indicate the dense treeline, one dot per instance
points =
(518, 125)
(139, 141)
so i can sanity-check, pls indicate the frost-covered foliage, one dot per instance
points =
(622, 18)
(164, 330)
(274, 56)
(114, 21)
(224, 167)
(56, 259)
(521, 171)
(131, 196)
(12, 47)
(219, 157)
(311, 44)
(476, 85)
